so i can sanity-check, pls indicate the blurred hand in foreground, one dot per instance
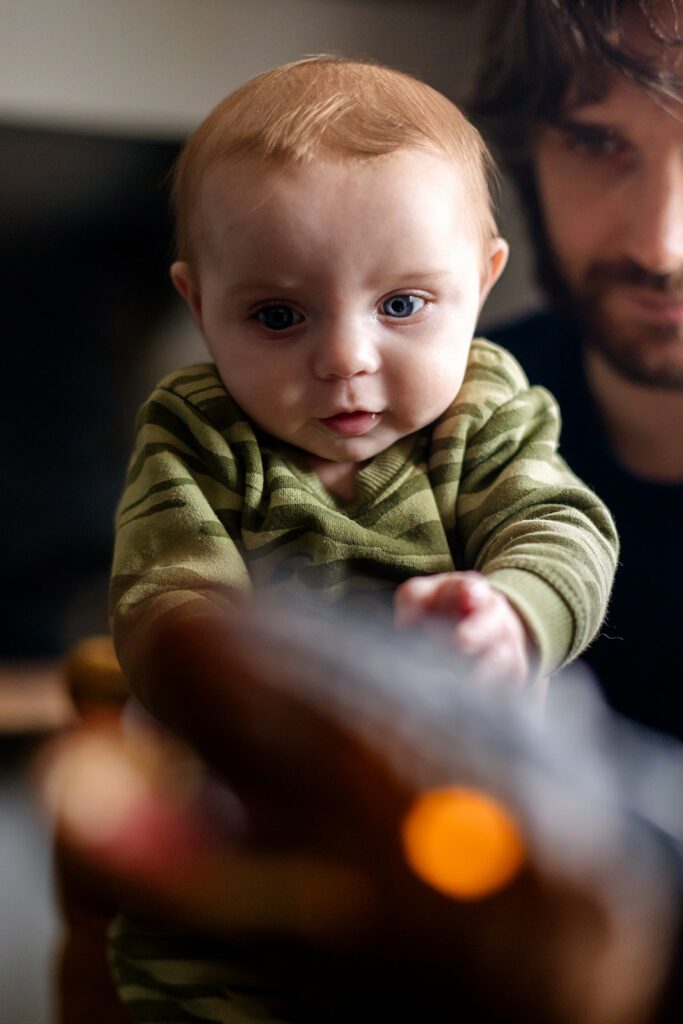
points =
(410, 846)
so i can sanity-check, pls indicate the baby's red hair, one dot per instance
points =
(331, 106)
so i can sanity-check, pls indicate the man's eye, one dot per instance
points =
(596, 144)
(402, 306)
(278, 317)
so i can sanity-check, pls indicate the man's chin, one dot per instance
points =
(649, 355)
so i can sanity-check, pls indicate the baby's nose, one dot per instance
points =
(344, 350)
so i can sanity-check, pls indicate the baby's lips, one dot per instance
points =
(351, 424)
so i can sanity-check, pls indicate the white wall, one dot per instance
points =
(156, 66)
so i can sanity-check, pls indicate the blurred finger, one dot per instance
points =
(479, 632)
(412, 600)
(503, 663)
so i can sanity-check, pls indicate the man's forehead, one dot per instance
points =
(621, 104)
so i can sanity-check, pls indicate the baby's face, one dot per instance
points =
(338, 299)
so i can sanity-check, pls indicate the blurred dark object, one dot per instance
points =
(85, 242)
(331, 737)
(85, 990)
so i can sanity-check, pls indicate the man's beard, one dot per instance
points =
(626, 345)
(636, 350)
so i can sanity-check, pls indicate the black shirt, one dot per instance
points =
(637, 656)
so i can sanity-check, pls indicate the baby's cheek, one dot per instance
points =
(441, 388)
(422, 383)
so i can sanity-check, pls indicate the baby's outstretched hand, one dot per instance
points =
(484, 623)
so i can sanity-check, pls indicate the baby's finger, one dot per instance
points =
(479, 632)
(441, 596)
(505, 663)
(471, 593)
(413, 600)
(456, 595)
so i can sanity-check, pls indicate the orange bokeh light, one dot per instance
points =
(462, 842)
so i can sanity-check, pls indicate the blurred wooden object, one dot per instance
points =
(34, 698)
(93, 681)
(93, 676)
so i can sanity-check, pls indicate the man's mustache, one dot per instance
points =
(626, 272)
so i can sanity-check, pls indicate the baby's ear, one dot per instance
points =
(187, 287)
(494, 265)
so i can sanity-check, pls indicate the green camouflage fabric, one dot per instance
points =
(212, 504)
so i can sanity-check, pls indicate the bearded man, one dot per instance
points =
(582, 103)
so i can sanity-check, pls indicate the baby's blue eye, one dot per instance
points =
(278, 317)
(402, 306)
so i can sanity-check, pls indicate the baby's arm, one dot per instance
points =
(176, 554)
(475, 617)
(516, 513)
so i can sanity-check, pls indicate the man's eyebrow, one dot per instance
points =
(574, 126)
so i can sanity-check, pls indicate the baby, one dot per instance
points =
(349, 442)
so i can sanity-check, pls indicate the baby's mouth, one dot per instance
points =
(351, 424)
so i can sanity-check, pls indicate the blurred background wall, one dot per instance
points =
(96, 96)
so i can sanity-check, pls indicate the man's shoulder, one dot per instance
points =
(529, 329)
(546, 345)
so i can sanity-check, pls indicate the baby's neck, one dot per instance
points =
(338, 477)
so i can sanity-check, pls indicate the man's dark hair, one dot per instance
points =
(536, 49)
(540, 54)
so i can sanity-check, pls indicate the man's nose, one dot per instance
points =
(655, 218)
(344, 348)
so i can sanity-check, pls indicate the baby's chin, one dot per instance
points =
(340, 444)
(356, 449)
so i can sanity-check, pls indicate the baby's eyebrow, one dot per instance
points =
(419, 275)
(263, 284)
(385, 279)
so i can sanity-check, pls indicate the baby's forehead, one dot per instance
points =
(224, 184)
(273, 210)
(237, 191)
